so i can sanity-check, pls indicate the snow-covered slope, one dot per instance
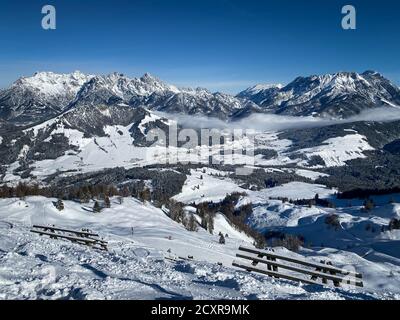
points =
(259, 88)
(336, 151)
(205, 185)
(140, 239)
(358, 240)
(260, 92)
(84, 139)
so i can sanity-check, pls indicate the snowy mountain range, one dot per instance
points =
(45, 95)
(341, 95)
(338, 95)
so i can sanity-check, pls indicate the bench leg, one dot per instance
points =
(324, 280)
(315, 277)
(335, 282)
(275, 268)
(255, 263)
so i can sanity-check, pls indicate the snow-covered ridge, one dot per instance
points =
(40, 97)
(336, 151)
(339, 94)
(124, 87)
(261, 87)
(53, 84)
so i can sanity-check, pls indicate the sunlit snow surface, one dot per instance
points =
(140, 238)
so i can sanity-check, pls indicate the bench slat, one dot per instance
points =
(273, 273)
(66, 230)
(301, 261)
(57, 235)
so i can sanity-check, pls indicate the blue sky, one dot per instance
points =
(224, 45)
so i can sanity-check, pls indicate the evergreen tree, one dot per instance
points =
(210, 223)
(369, 205)
(204, 223)
(96, 207)
(259, 241)
(125, 192)
(191, 224)
(176, 211)
(145, 195)
(59, 205)
(394, 224)
(107, 202)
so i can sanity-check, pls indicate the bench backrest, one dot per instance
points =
(85, 233)
(275, 262)
(301, 261)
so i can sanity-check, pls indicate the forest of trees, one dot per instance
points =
(83, 193)
(288, 241)
(366, 193)
(236, 216)
(316, 201)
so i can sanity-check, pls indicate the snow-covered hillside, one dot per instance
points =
(93, 138)
(336, 151)
(140, 239)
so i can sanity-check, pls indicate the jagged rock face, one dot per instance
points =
(260, 93)
(118, 89)
(339, 95)
(197, 102)
(38, 98)
(153, 94)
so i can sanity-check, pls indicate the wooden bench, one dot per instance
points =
(82, 237)
(270, 263)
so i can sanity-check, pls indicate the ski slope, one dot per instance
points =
(140, 239)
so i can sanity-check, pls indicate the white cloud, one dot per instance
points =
(273, 122)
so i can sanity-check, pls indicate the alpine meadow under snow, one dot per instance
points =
(317, 177)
